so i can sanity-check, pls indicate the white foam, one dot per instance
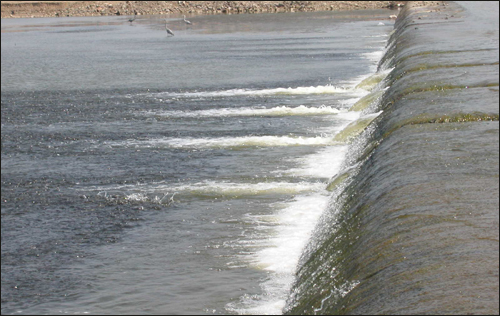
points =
(326, 89)
(296, 223)
(323, 164)
(280, 254)
(225, 142)
(293, 226)
(326, 138)
(374, 56)
(228, 189)
(227, 112)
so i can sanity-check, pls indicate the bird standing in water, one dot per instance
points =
(169, 31)
(187, 22)
(132, 19)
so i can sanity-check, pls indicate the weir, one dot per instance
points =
(412, 226)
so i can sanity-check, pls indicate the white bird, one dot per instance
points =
(187, 22)
(169, 31)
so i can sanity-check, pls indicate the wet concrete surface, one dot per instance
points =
(418, 229)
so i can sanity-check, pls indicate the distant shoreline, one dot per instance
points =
(36, 9)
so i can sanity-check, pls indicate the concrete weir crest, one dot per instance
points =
(416, 229)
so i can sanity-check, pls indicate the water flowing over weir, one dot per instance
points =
(175, 175)
(146, 174)
(412, 225)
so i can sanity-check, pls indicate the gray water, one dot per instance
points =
(171, 175)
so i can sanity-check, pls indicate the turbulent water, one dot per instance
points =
(412, 225)
(150, 174)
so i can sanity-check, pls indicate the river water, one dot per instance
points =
(143, 173)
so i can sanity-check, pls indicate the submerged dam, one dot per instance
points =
(412, 225)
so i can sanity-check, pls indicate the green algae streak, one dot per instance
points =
(370, 82)
(354, 129)
(366, 101)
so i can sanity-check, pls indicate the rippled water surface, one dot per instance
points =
(150, 174)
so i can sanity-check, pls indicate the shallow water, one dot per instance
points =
(150, 174)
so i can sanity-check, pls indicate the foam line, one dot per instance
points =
(227, 112)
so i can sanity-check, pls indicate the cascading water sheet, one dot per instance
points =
(145, 174)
